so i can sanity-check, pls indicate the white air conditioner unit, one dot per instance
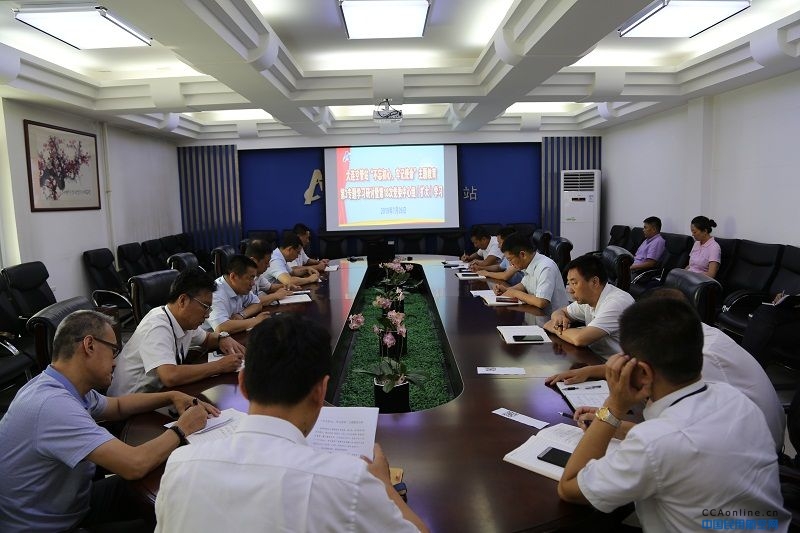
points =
(580, 209)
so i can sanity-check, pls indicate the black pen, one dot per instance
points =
(566, 415)
(584, 388)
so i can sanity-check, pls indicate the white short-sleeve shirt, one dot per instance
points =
(493, 248)
(605, 315)
(227, 303)
(156, 341)
(277, 266)
(543, 280)
(267, 478)
(301, 260)
(690, 456)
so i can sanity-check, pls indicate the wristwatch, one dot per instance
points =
(223, 335)
(181, 435)
(604, 415)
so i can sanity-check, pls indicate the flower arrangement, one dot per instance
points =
(386, 327)
(390, 373)
(397, 276)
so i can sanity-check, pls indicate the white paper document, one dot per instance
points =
(502, 370)
(295, 299)
(216, 428)
(561, 436)
(349, 430)
(523, 419)
(469, 276)
(588, 393)
(523, 334)
(491, 299)
(331, 268)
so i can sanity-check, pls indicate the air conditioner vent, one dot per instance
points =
(579, 181)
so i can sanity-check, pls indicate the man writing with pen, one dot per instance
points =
(597, 304)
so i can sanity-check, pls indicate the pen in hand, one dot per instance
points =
(565, 415)
(584, 388)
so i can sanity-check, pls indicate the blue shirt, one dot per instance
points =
(45, 479)
(518, 275)
(227, 303)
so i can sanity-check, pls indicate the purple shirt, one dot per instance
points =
(702, 255)
(650, 249)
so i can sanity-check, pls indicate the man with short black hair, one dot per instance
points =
(266, 477)
(51, 442)
(267, 292)
(504, 272)
(542, 285)
(279, 270)
(652, 248)
(304, 265)
(155, 355)
(487, 250)
(687, 457)
(598, 304)
(236, 308)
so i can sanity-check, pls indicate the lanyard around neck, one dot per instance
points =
(698, 391)
(178, 351)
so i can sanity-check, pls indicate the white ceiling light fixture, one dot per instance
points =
(83, 26)
(680, 18)
(384, 19)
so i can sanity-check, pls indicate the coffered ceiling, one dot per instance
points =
(228, 70)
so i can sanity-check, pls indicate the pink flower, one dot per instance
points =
(401, 330)
(395, 318)
(409, 268)
(383, 303)
(375, 329)
(388, 340)
(355, 321)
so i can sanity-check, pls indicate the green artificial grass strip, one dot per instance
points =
(424, 354)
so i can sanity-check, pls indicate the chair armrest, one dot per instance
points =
(102, 297)
(646, 275)
(744, 299)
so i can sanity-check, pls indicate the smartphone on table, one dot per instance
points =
(554, 456)
(528, 338)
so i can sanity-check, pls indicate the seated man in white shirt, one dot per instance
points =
(279, 270)
(154, 356)
(235, 307)
(267, 292)
(304, 265)
(504, 272)
(265, 477)
(487, 249)
(597, 304)
(688, 459)
(723, 361)
(542, 285)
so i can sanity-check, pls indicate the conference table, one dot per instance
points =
(452, 454)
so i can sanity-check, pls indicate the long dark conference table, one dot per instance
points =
(452, 454)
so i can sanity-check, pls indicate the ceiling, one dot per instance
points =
(229, 70)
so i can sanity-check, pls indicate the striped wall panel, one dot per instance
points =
(564, 153)
(210, 199)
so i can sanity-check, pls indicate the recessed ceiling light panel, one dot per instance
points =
(680, 18)
(384, 19)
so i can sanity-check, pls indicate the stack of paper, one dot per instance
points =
(331, 268)
(216, 428)
(295, 298)
(523, 334)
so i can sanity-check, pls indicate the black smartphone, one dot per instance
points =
(507, 299)
(468, 275)
(554, 456)
(527, 338)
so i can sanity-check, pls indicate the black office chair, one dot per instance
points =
(43, 325)
(541, 239)
(270, 236)
(676, 255)
(27, 286)
(170, 245)
(183, 261)
(411, 243)
(107, 286)
(524, 228)
(701, 291)
(154, 254)
(17, 363)
(332, 247)
(150, 290)
(131, 260)
(560, 252)
(491, 227)
(635, 238)
(617, 262)
(220, 256)
(451, 243)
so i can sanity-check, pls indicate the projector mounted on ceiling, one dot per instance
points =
(385, 113)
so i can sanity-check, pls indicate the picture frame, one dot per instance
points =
(62, 168)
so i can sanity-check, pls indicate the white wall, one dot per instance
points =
(734, 157)
(59, 238)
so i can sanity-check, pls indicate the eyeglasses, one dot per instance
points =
(115, 349)
(206, 307)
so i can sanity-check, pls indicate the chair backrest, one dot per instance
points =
(150, 290)
(270, 236)
(635, 238)
(491, 227)
(754, 266)
(451, 243)
(220, 256)
(43, 325)
(787, 278)
(131, 260)
(703, 293)
(524, 228)
(9, 318)
(676, 252)
(541, 239)
(170, 245)
(560, 248)
(411, 243)
(728, 248)
(103, 275)
(183, 261)
(332, 246)
(617, 262)
(154, 254)
(185, 242)
(28, 288)
(618, 236)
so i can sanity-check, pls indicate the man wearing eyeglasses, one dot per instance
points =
(154, 356)
(50, 441)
